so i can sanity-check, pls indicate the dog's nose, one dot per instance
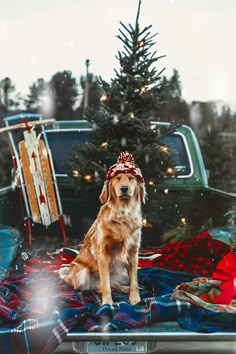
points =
(124, 188)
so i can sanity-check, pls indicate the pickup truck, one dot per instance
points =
(177, 208)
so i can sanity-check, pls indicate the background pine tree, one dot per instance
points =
(123, 120)
(218, 154)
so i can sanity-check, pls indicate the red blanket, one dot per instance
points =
(226, 272)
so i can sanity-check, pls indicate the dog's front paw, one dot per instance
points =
(107, 301)
(134, 299)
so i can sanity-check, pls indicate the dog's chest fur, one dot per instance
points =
(119, 235)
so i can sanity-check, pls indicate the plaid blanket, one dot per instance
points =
(205, 315)
(198, 254)
(203, 293)
(37, 309)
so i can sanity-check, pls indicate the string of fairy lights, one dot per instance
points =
(89, 177)
(105, 144)
(163, 149)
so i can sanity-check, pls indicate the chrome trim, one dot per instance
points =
(188, 154)
(152, 336)
(68, 130)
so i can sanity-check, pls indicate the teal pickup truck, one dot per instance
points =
(185, 201)
(177, 208)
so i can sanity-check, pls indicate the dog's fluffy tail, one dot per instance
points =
(81, 279)
(64, 271)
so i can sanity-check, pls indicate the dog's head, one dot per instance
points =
(123, 187)
(124, 181)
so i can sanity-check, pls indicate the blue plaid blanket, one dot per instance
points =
(37, 310)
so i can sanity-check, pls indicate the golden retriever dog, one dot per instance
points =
(108, 257)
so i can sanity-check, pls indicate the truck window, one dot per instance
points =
(61, 145)
(62, 142)
(183, 160)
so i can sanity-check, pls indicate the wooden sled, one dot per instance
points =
(37, 182)
(29, 183)
(39, 185)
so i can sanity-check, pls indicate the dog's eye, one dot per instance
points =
(131, 177)
(117, 178)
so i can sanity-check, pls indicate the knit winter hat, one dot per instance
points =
(125, 164)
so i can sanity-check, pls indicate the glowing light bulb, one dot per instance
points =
(75, 173)
(170, 170)
(142, 90)
(104, 97)
(144, 222)
(131, 115)
(105, 144)
(88, 178)
(164, 149)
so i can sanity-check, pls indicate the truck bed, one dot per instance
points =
(164, 336)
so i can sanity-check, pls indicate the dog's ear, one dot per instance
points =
(105, 193)
(143, 193)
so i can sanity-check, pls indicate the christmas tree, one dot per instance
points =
(123, 121)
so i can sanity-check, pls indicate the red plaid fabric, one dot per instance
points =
(198, 255)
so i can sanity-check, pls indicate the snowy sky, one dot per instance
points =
(39, 38)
